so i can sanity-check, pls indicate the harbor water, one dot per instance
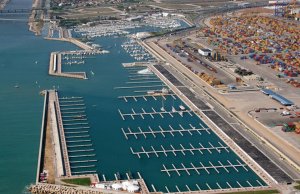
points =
(24, 60)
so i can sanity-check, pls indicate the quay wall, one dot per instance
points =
(63, 144)
(74, 41)
(42, 138)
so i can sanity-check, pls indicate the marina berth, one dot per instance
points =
(171, 139)
(133, 105)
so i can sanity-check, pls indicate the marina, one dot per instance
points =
(186, 149)
(133, 122)
(55, 67)
(136, 51)
(80, 145)
(74, 152)
(175, 110)
(57, 59)
(165, 107)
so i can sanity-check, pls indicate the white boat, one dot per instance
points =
(165, 91)
(163, 109)
(150, 92)
(182, 107)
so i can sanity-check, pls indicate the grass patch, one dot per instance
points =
(78, 181)
(257, 192)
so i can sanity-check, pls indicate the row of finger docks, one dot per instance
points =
(160, 139)
(178, 152)
(81, 153)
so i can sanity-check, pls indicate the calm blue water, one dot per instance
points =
(22, 110)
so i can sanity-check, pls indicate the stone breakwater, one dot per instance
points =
(59, 189)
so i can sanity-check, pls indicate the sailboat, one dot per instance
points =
(180, 113)
(173, 109)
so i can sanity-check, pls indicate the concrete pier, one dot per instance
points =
(62, 136)
(136, 64)
(53, 160)
(73, 41)
(42, 138)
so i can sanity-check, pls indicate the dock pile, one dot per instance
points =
(265, 39)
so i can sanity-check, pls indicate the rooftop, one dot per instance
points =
(277, 97)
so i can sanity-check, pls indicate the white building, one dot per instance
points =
(100, 186)
(116, 186)
(133, 188)
(204, 51)
(137, 18)
(165, 14)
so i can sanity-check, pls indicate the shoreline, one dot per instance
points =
(34, 25)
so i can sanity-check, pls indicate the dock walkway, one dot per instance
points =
(62, 137)
(74, 41)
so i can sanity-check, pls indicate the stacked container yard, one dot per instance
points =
(266, 40)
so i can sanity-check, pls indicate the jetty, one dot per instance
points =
(136, 64)
(55, 64)
(73, 41)
(66, 36)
